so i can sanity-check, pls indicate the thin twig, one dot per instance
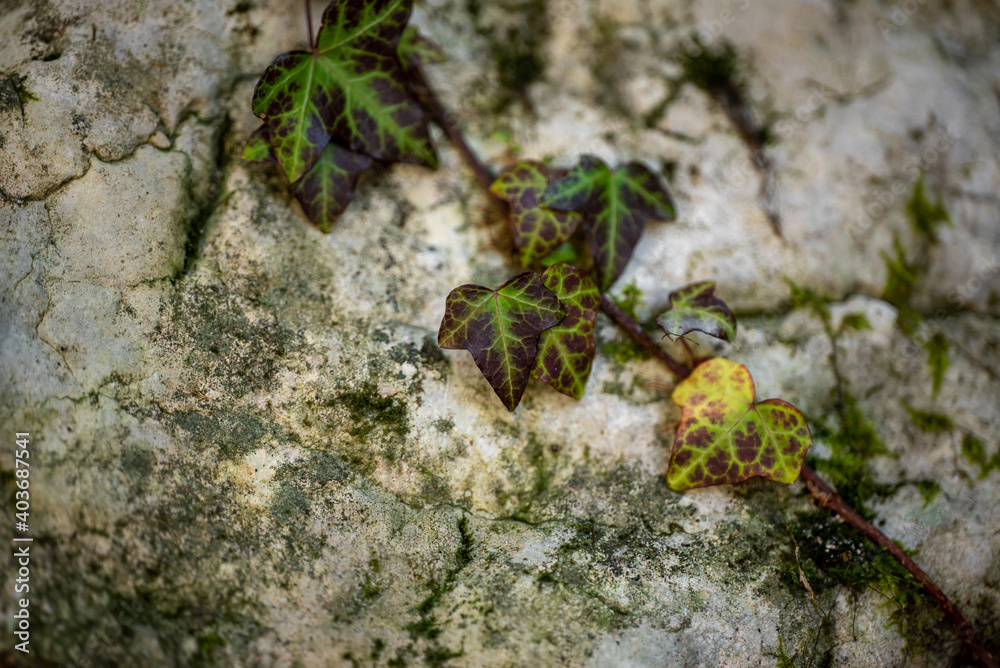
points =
(822, 493)
(309, 22)
(429, 101)
(635, 331)
(826, 498)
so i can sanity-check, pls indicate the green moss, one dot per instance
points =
(630, 300)
(322, 468)
(463, 555)
(207, 645)
(851, 446)
(712, 70)
(974, 450)
(290, 506)
(369, 410)
(13, 93)
(369, 590)
(234, 433)
(516, 39)
(784, 661)
(832, 554)
(927, 421)
(242, 353)
(803, 298)
(426, 626)
(928, 490)
(606, 54)
(937, 348)
(926, 216)
(137, 460)
(855, 321)
(900, 283)
(623, 351)
(443, 425)
(543, 472)
(427, 355)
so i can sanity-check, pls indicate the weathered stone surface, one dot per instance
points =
(247, 448)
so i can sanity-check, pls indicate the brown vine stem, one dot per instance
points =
(615, 312)
(826, 498)
(429, 101)
(309, 24)
(822, 493)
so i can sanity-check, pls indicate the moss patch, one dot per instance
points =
(928, 490)
(901, 279)
(369, 410)
(712, 70)
(928, 421)
(290, 505)
(137, 461)
(937, 348)
(426, 626)
(832, 554)
(974, 450)
(851, 446)
(516, 35)
(13, 93)
(235, 433)
(926, 216)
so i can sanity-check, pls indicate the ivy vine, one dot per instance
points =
(357, 99)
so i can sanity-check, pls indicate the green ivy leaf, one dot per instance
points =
(566, 351)
(615, 204)
(724, 437)
(328, 187)
(501, 329)
(258, 146)
(416, 50)
(565, 253)
(538, 231)
(695, 307)
(352, 88)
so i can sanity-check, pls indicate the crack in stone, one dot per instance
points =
(55, 348)
(30, 271)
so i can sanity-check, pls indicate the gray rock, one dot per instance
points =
(247, 448)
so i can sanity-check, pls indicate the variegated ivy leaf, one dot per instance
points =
(695, 307)
(566, 351)
(615, 204)
(501, 329)
(328, 187)
(724, 437)
(416, 50)
(258, 146)
(351, 87)
(538, 231)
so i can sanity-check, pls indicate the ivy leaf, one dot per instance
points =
(258, 146)
(615, 204)
(695, 307)
(724, 437)
(538, 231)
(415, 50)
(328, 187)
(501, 329)
(352, 87)
(566, 351)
